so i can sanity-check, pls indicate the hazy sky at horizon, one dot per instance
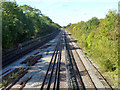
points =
(64, 12)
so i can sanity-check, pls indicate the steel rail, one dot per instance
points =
(101, 75)
(57, 73)
(51, 74)
(77, 72)
(95, 69)
(55, 51)
(36, 39)
(90, 79)
(12, 56)
(66, 64)
(73, 70)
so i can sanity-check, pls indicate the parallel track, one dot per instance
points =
(18, 53)
(71, 71)
(73, 74)
(77, 70)
(88, 75)
(54, 63)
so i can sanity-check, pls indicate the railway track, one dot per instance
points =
(26, 48)
(12, 75)
(76, 69)
(78, 74)
(74, 53)
(54, 67)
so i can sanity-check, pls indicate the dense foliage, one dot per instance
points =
(22, 23)
(99, 38)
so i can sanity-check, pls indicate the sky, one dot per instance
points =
(64, 12)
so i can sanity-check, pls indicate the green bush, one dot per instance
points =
(99, 38)
(22, 23)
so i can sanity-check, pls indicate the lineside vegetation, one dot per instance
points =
(99, 38)
(22, 23)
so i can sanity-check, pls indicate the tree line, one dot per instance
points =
(99, 38)
(22, 23)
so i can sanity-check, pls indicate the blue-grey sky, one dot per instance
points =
(64, 12)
